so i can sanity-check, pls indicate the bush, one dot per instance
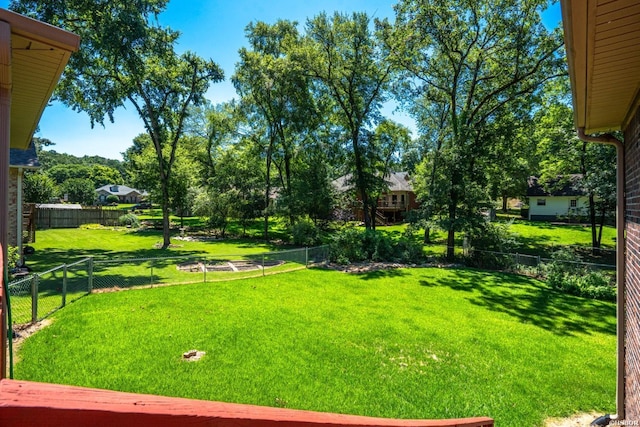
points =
(129, 220)
(305, 233)
(490, 245)
(353, 245)
(566, 274)
(13, 256)
(112, 198)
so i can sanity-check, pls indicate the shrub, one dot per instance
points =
(490, 245)
(13, 257)
(129, 220)
(346, 247)
(305, 233)
(353, 245)
(112, 198)
(566, 274)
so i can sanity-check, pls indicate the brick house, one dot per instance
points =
(392, 204)
(602, 40)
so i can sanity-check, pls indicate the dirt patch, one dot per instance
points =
(239, 265)
(577, 420)
(193, 355)
(22, 332)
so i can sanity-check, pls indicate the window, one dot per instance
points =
(394, 199)
(542, 202)
(573, 203)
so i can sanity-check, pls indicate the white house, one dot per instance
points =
(552, 202)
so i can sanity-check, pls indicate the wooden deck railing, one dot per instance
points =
(27, 404)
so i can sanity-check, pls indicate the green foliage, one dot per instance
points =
(491, 242)
(39, 188)
(78, 190)
(469, 76)
(351, 71)
(145, 70)
(112, 198)
(305, 233)
(566, 274)
(354, 245)
(129, 220)
(13, 256)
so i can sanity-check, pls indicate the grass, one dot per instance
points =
(407, 343)
(57, 246)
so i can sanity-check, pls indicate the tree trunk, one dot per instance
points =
(427, 235)
(592, 219)
(451, 233)
(360, 181)
(166, 232)
(504, 204)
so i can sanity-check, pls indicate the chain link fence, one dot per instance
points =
(520, 262)
(37, 296)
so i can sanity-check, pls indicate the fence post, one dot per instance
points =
(539, 265)
(90, 274)
(34, 298)
(204, 270)
(263, 265)
(306, 257)
(517, 259)
(64, 285)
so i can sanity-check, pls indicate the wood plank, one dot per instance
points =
(25, 403)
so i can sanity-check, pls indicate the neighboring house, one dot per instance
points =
(125, 194)
(557, 200)
(20, 219)
(399, 199)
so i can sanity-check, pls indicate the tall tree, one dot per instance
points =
(345, 60)
(127, 56)
(466, 61)
(275, 93)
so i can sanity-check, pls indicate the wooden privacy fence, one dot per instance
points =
(72, 218)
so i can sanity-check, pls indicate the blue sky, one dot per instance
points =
(213, 29)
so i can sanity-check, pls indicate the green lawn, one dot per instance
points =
(64, 245)
(408, 343)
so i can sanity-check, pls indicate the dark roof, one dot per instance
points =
(570, 185)
(24, 158)
(397, 181)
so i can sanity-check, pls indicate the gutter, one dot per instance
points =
(609, 139)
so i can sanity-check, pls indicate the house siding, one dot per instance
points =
(632, 274)
(556, 206)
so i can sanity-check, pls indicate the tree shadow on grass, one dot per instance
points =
(532, 302)
(380, 274)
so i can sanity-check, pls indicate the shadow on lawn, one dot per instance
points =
(532, 302)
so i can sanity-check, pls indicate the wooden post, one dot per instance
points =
(5, 142)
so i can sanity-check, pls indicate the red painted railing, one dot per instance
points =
(27, 404)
